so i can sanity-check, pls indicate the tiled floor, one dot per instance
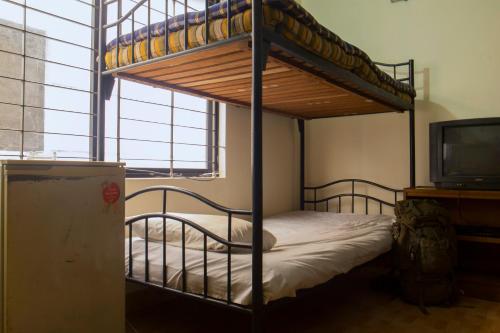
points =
(350, 305)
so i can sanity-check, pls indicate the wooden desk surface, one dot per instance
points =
(432, 192)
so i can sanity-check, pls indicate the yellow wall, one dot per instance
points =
(234, 190)
(455, 44)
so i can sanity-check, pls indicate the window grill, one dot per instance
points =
(48, 95)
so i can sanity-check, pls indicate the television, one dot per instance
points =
(465, 154)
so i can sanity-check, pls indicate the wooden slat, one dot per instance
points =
(233, 72)
(224, 73)
(191, 57)
(202, 66)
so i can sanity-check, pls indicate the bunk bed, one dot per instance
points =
(265, 54)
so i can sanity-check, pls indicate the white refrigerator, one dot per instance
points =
(62, 247)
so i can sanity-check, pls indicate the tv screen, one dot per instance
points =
(471, 151)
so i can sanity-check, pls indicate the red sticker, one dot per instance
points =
(111, 193)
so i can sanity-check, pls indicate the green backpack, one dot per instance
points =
(425, 253)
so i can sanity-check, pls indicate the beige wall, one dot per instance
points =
(233, 190)
(455, 44)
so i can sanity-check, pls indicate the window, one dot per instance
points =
(45, 79)
(160, 133)
(47, 93)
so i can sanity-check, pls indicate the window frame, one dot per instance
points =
(212, 151)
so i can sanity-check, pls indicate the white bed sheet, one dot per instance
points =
(312, 248)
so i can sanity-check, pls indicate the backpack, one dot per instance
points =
(425, 253)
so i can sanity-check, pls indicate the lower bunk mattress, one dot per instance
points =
(311, 248)
(285, 17)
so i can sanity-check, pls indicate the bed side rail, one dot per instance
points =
(166, 12)
(165, 189)
(353, 194)
(404, 69)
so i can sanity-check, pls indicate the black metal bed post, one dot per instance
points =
(411, 65)
(302, 162)
(99, 130)
(257, 186)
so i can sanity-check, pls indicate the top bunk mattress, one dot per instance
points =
(285, 17)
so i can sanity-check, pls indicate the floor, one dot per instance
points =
(351, 304)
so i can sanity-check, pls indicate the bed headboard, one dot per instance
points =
(328, 196)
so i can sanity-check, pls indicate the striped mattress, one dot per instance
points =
(283, 16)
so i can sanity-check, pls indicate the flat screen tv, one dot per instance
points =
(466, 154)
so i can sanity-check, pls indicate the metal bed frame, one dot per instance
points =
(207, 235)
(260, 47)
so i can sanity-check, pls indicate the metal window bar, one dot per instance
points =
(22, 130)
(45, 84)
(48, 37)
(23, 114)
(86, 3)
(162, 104)
(46, 61)
(27, 7)
(167, 124)
(48, 108)
(159, 160)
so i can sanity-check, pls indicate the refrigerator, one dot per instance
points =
(62, 247)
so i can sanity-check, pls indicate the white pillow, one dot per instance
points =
(241, 231)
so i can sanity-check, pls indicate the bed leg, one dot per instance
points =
(108, 83)
(302, 163)
(258, 52)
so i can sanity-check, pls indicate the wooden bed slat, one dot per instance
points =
(291, 86)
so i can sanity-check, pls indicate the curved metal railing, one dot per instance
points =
(166, 189)
(353, 195)
(185, 222)
(407, 65)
